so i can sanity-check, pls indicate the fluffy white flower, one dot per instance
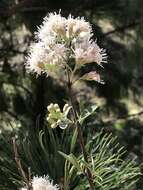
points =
(78, 28)
(42, 183)
(35, 58)
(46, 59)
(60, 27)
(88, 52)
(53, 25)
(58, 40)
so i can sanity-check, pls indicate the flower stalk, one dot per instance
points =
(80, 134)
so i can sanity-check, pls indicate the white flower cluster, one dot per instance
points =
(58, 39)
(42, 183)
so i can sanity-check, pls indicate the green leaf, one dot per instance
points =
(72, 159)
(86, 113)
(73, 140)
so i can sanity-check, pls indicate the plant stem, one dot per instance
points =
(80, 135)
(20, 168)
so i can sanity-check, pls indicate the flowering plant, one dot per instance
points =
(63, 46)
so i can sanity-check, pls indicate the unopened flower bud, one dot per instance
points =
(58, 110)
(65, 107)
(58, 122)
(48, 119)
(50, 106)
(54, 125)
(50, 115)
(56, 106)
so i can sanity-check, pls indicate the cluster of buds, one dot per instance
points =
(56, 117)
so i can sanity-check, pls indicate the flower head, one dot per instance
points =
(46, 59)
(58, 40)
(42, 183)
(52, 26)
(88, 52)
(78, 28)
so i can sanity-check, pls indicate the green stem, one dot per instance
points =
(80, 135)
